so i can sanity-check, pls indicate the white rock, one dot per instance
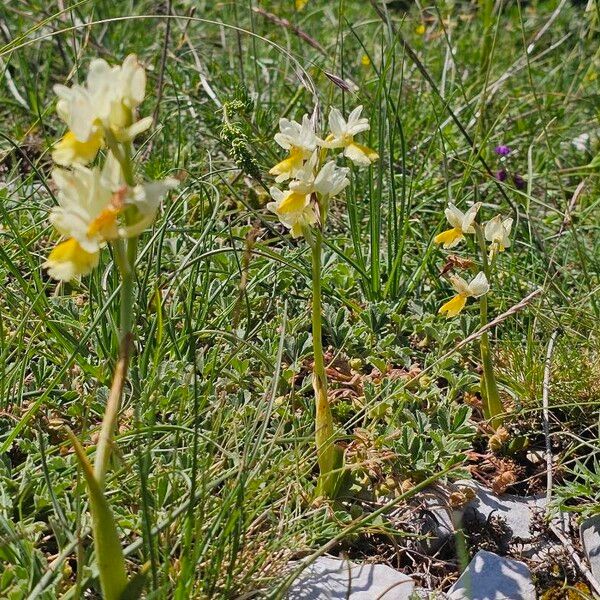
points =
(335, 579)
(491, 577)
(590, 538)
(582, 142)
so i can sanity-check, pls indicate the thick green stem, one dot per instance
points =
(324, 418)
(113, 405)
(126, 307)
(125, 252)
(492, 405)
(109, 553)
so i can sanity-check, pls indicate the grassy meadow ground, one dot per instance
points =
(213, 481)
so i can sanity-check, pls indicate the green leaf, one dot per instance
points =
(135, 587)
(109, 553)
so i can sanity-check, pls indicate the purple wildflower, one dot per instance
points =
(501, 175)
(502, 150)
(520, 183)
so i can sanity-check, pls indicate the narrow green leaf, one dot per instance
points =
(135, 587)
(109, 553)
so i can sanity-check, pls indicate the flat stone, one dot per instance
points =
(335, 579)
(517, 511)
(590, 538)
(491, 577)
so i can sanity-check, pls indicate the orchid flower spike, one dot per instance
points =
(106, 103)
(497, 231)
(477, 287)
(342, 136)
(462, 224)
(300, 141)
(95, 207)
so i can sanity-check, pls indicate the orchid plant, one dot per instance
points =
(497, 232)
(102, 205)
(314, 180)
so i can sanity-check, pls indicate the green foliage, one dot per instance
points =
(424, 443)
(211, 482)
(580, 492)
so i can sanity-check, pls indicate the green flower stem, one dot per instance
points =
(492, 405)
(131, 253)
(109, 554)
(113, 405)
(125, 251)
(127, 164)
(109, 421)
(122, 152)
(324, 418)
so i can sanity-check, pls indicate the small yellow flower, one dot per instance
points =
(420, 29)
(68, 260)
(365, 61)
(477, 287)
(300, 141)
(342, 136)
(69, 150)
(107, 101)
(90, 204)
(462, 223)
(294, 210)
(300, 4)
(497, 231)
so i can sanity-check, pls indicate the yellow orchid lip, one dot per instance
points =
(449, 237)
(287, 165)
(70, 150)
(68, 260)
(454, 306)
(293, 203)
(368, 152)
(65, 250)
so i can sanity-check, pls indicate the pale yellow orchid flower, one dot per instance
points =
(477, 287)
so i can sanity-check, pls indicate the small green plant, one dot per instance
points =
(303, 208)
(100, 206)
(497, 233)
(425, 444)
(580, 493)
